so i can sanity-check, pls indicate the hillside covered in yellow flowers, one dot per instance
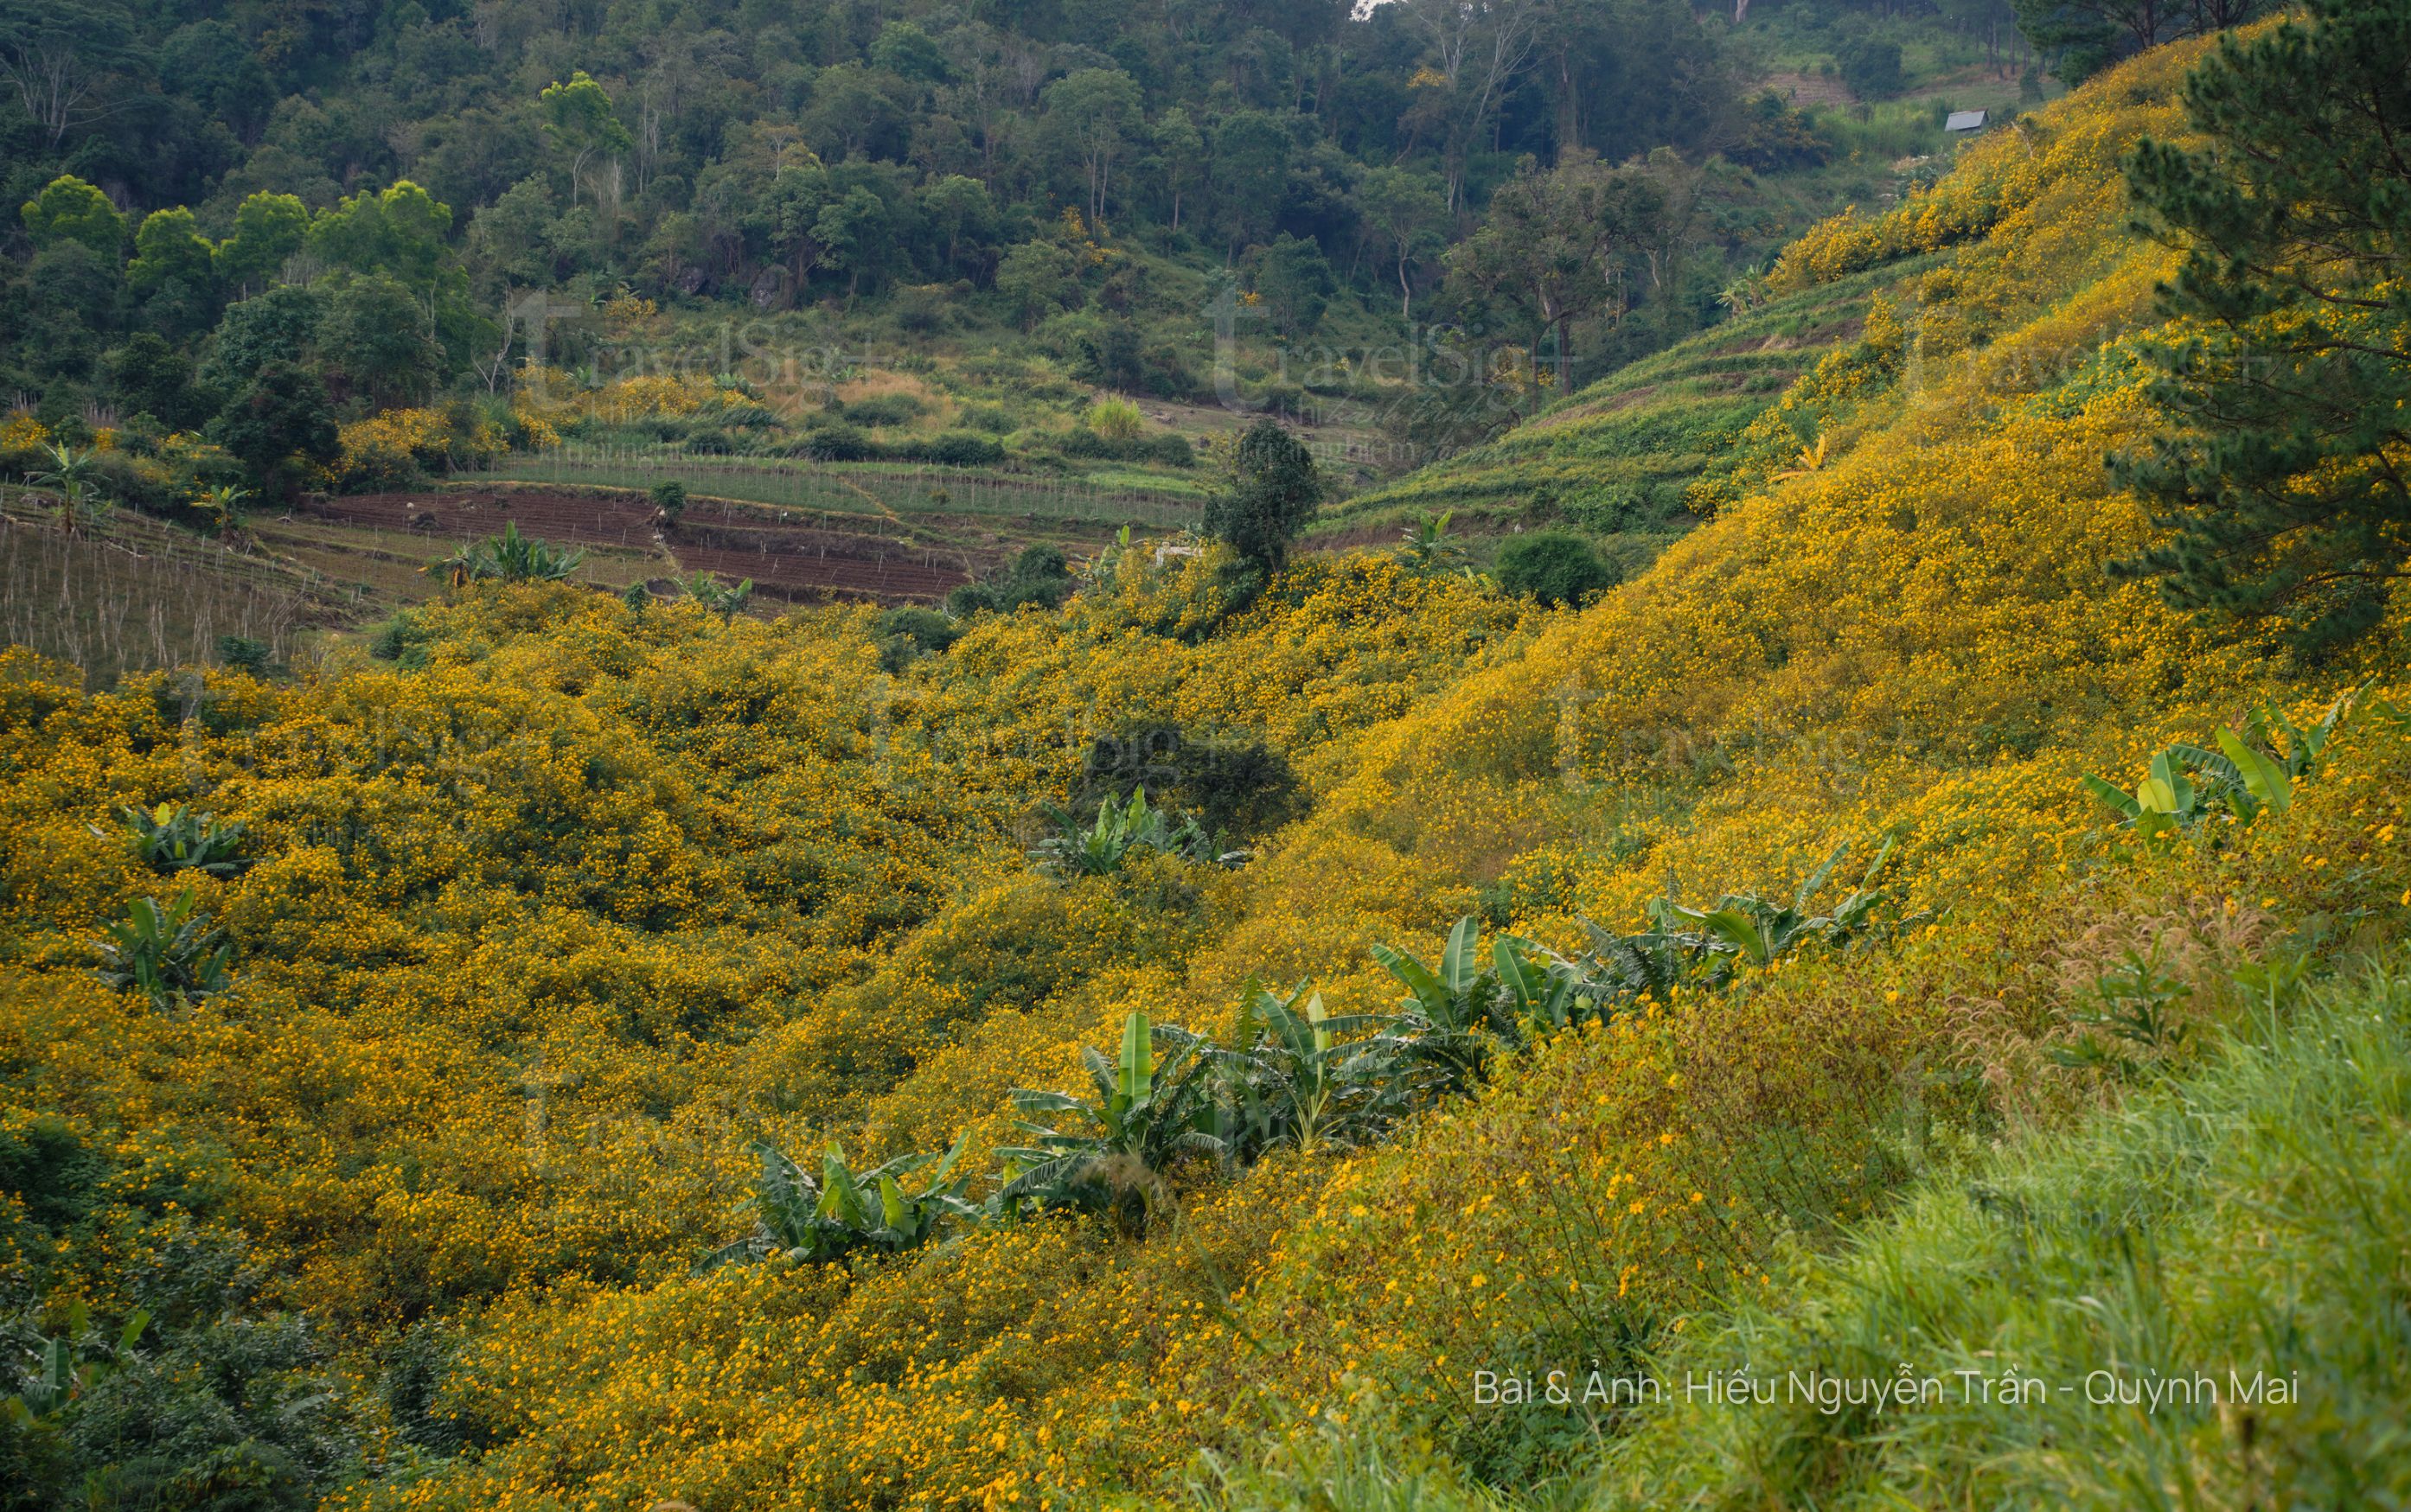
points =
(542, 922)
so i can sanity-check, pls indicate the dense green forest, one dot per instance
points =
(209, 189)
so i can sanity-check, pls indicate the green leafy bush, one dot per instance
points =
(1560, 569)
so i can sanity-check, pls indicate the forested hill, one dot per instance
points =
(687, 148)
(995, 165)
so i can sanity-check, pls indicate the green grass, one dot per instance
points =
(2247, 1217)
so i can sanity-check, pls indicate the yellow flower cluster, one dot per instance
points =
(553, 398)
(393, 447)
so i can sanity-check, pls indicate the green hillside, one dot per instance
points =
(1615, 459)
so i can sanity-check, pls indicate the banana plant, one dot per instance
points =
(1744, 929)
(171, 838)
(2250, 774)
(726, 600)
(1153, 1108)
(1453, 1018)
(168, 950)
(1427, 546)
(1297, 1079)
(224, 506)
(62, 1380)
(510, 558)
(846, 1210)
(1100, 849)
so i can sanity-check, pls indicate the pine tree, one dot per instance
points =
(2286, 489)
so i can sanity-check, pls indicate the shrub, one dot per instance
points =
(884, 410)
(912, 631)
(951, 448)
(1558, 568)
(669, 497)
(834, 440)
(1040, 575)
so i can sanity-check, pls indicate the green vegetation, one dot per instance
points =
(804, 1219)
(2049, 1313)
(2226, 1223)
(168, 952)
(1557, 567)
(1267, 497)
(171, 838)
(2284, 494)
(510, 558)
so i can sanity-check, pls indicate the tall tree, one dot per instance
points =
(1551, 250)
(70, 210)
(1267, 497)
(1407, 211)
(2286, 490)
(268, 229)
(2081, 37)
(169, 247)
(60, 55)
(1096, 111)
(1478, 49)
(580, 117)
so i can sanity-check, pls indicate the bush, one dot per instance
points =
(1871, 68)
(834, 440)
(669, 497)
(1039, 576)
(884, 410)
(1556, 567)
(909, 631)
(951, 448)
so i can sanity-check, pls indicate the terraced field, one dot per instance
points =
(1614, 458)
(792, 555)
(133, 592)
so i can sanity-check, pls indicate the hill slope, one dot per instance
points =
(543, 933)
